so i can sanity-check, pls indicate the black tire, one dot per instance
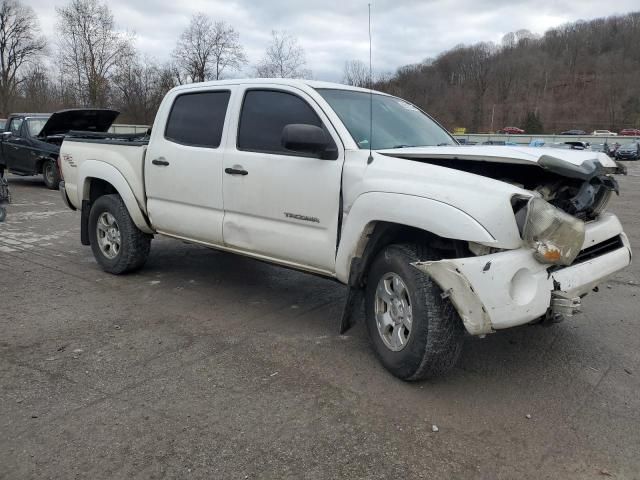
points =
(50, 174)
(135, 244)
(434, 344)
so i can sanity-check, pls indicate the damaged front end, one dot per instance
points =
(561, 245)
(569, 246)
(583, 191)
(510, 288)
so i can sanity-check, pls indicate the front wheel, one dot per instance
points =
(50, 174)
(117, 244)
(415, 333)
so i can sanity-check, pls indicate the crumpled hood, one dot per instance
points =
(501, 154)
(84, 119)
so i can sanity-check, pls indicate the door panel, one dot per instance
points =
(286, 206)
(183, 166)
(13, 147)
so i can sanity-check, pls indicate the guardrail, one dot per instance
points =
(526, 139)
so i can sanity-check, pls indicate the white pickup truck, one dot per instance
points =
(436, 238)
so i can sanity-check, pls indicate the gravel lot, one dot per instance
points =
(208, 365)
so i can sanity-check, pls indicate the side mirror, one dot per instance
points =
(301, 137)
(5, 136)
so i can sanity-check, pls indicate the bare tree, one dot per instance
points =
(206, 49)
(20, 44)
(139, 86)
(90, 48)
(37, 90)
(284, 58)
(476, 71)
(357, 73)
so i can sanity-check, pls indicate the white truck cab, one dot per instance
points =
(435, 238)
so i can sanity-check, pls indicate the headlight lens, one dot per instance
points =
(555, 236)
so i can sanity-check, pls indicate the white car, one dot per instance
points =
(436, 239)
(603, 133)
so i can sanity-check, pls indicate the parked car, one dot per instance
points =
(435, 238)
(628, 151)
(577, 145)
(574, 132)
(603, 133)
(511, 130)
(630, 132)
(31, 141)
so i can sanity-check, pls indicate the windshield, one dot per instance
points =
(396, 123)
(35, 125)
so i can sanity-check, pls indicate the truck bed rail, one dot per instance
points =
(108, 138)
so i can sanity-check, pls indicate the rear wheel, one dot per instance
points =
(415, 333)
(117, 244)
(50, 174)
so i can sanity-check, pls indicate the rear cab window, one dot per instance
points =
(197, 118)
(35, 125)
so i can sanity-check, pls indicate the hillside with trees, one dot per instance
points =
(581, 75)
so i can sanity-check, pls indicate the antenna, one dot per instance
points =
(370, 159)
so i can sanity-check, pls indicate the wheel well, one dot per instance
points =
(97, 188)
(41, 162)
(378, 235)
(94, 189)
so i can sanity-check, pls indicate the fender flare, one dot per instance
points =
(104, 171)
(426, 214)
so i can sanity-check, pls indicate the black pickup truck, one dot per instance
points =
(30, 142)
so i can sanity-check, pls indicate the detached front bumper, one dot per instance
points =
(511, 288)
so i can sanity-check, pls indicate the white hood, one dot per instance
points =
(500, 154)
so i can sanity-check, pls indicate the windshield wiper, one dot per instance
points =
(445, 144)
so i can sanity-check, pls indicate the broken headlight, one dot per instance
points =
(555, 236)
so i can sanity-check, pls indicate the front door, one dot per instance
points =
(183, 166)
(14, 147)
(278, 203)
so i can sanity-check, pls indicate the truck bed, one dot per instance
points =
(122, 154)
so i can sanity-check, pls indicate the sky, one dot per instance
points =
(334, 31)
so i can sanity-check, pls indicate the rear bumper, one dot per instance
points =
(65, 197)
(511, 288)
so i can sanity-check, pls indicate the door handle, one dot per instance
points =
(236, 171)
(160, 161)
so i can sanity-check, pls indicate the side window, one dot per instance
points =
(265, 113)
(197, 118)
(14, 126)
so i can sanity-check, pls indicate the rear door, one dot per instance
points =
(184, 162)
(280, 203)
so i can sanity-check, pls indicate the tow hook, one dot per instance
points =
(563, 306)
